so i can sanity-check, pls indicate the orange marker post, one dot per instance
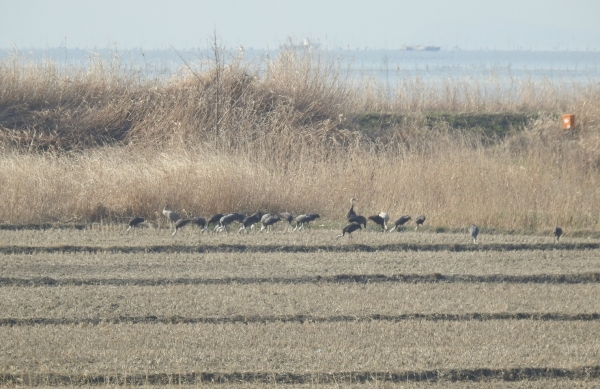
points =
(568, 121)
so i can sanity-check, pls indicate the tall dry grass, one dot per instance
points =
(99, 143)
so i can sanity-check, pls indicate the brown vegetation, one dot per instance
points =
(291, 134)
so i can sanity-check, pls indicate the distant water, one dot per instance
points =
(555, 66)
(383, 65)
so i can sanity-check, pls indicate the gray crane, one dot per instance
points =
(200, 222)
(358, 219)
(474, 231)
(214, 220)
(349, 229)
(351, 210)
(419, 220)
(135, 222)
(268, 222)
(557, 233)
(226, 220)
(250, 221)
(353, 217)
(301, 220)
(286, 216)
(377, 219)
(402, 220)
(172, 216)
(181, 223)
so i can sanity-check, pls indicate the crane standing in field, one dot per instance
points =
(172, 216)
(226, 220)
(353, 217)
(474, 231)
(377, 219)
(557, 233)
(358, 219)
(214, 220)
(286, 216)
(349, 229)
(200, 222)
(400, 222)
(250, 221)
(268, 222)
(135, 222)
(301, 220)
(419, 220)
(351, 212)
(180, 224)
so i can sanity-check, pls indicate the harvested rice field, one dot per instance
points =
(96, 306)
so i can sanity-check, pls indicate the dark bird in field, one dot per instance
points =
(180, 224)
(557, 233)
(349, 229)
(173, 216)
(250, 221)
(358, 219)
(286, 216)
(301, 220)
(313, 216)
(353, 217)
(474, 231)
(265, 217)
(200, 222)
(419, 220)
(268, 222)
(400, 222)
(226, 220)
(378, 220)
(351, 212)
(135, 221)
(214, 220)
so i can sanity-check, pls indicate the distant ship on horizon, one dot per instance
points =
(420, 48)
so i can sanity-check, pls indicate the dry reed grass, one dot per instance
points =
(237, 136)
(453, 187)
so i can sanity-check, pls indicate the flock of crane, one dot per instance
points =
(222, 222)
(357, 222)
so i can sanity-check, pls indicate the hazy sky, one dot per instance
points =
(184, 24)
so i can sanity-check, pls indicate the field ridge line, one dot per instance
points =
(339, 248)
(263, 319)
(575, 278)
(193, 378)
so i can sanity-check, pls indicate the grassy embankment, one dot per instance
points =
(102, 143)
